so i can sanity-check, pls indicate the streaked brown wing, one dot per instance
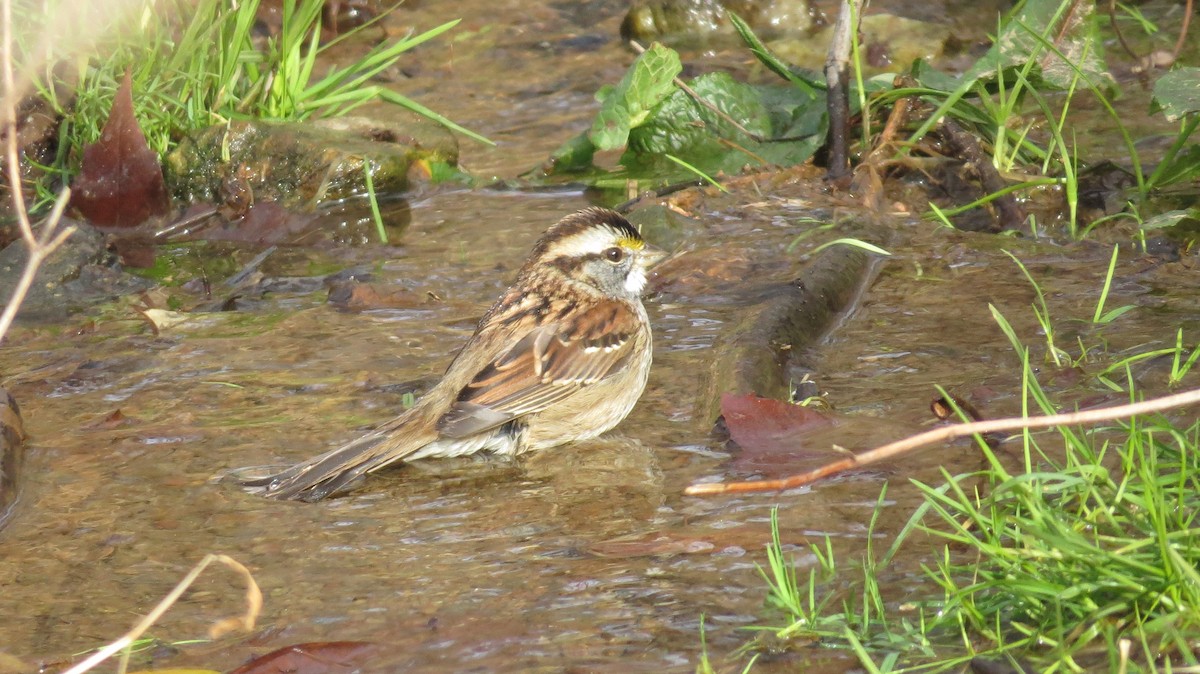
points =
(544, 367)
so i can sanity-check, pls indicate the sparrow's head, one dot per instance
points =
(597, 247)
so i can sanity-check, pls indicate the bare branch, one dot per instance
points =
(39, 247)
(254, 600)
(894, 449)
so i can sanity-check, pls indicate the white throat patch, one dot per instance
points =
(636, 281)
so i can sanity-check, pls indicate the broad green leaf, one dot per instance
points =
(574, 155)
(647, 82)
(931, 77)
(1177, 93)
(682, 127)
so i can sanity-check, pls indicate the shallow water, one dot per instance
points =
(583, 558)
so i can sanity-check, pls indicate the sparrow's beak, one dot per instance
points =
(649, 256)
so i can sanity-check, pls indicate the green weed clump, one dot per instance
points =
(196, 63)
(1088, 561)
(1079, 551)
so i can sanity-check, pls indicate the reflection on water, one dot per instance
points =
(581, 556)
(585, 557)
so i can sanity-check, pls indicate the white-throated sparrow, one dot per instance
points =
(562, 356)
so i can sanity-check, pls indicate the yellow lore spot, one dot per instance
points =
(630, 242)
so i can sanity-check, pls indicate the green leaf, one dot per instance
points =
(770, 60)
(682, 127)
(1177, 93)
(1180, 168)
(1067, 26)
(1171, 218)
(574, 155)
(628, 105)
(928, 76)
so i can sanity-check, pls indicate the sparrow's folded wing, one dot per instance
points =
(543, 367)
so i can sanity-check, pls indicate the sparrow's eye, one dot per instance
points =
(614, 255)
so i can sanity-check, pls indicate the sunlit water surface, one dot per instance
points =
(584, 558)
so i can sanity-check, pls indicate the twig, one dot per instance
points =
(40, 247)
(894, 449)
(838, 89)
(246, 621)
(1112, 20)
(1149, 61)
(1183, 30)
(966, 147)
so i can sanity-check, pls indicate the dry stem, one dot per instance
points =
(894, 449)
(246, 621)
(52, 236)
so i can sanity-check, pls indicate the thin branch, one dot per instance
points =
(837, 80)
(51, 236)
(938, 435)
(39, 250)
(246, 621)
(1183, 31)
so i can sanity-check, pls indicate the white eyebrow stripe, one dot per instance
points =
(592, 240)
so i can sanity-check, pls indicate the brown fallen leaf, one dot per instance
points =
(262, 223)
(120, 182)
(319, 657)
(356, 296)
(766, 426)
(114, 419)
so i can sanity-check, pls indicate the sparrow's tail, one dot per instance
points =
(320, 476)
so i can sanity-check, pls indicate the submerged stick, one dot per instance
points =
(246, 621)
(893, 449)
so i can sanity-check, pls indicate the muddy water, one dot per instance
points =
(585, 558)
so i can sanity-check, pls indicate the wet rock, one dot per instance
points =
(756, 352)
(77, 272)
(12, 453)
(652, 19)
(302, 164)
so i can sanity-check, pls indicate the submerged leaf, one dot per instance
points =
(769, 426)
(1048, 31)
(313, 658)
(1177, 93)
(120, 183)
(1171, 219)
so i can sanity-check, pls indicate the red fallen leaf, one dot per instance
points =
(318, 657)
(769, 426)
(120, 183)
